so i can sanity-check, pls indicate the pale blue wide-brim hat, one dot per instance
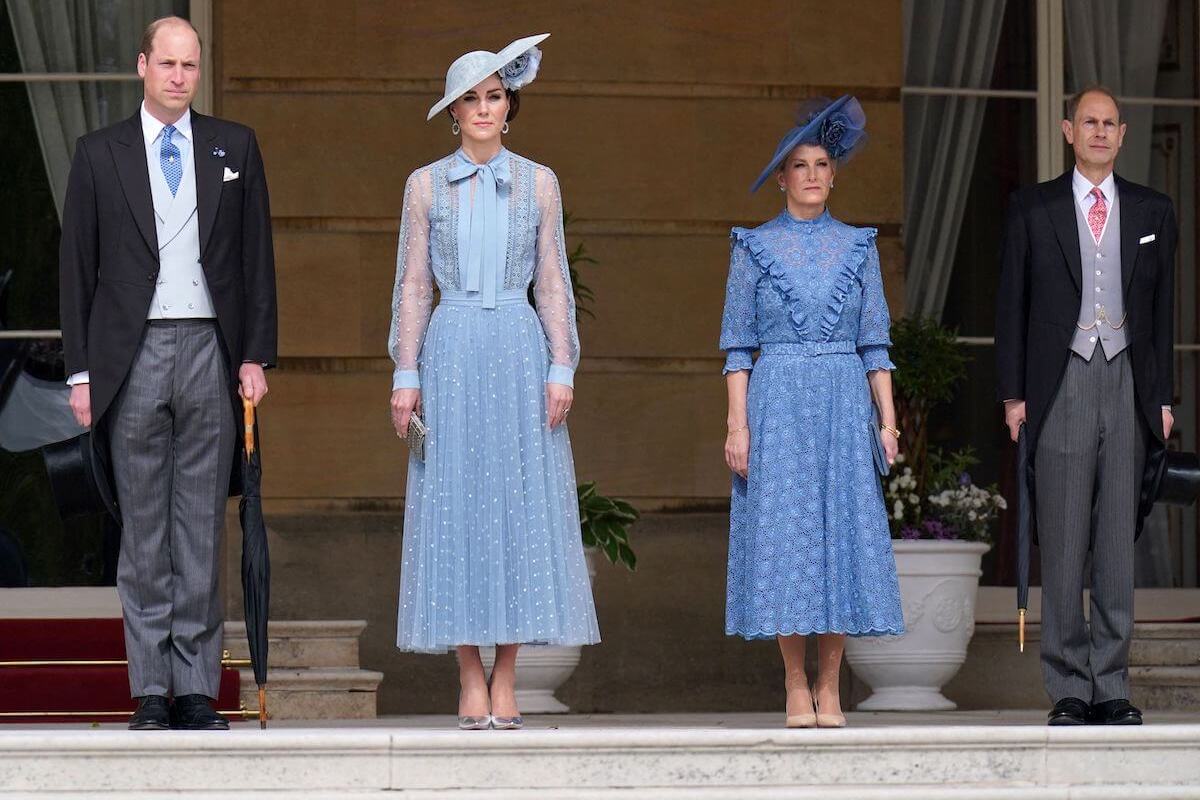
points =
(517, 65)
(840, 126)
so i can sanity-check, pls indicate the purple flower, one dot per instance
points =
(910, 532)
(936, 529)
(964, 479)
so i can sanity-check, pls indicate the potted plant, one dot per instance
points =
(941, 525)
(604, 526)
(930, 362)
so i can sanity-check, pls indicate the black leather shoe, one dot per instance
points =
(194, 712)
(1068, 711)
(1116, 712)
(151, 714)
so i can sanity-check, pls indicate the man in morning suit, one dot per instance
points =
(1084, 337)
(168, 313)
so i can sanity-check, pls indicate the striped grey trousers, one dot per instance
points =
(172, 447)
(1088, 468)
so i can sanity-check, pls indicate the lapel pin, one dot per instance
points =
(218, 152)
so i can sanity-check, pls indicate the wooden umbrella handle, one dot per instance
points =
(248, 419)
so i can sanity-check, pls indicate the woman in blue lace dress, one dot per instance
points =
(809, 547)
(492, 549)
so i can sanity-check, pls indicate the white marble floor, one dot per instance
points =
(1000, 755)
(704, 721)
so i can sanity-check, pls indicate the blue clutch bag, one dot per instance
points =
(881, 462)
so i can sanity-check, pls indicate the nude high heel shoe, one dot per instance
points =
(806, 719)
(830, 720)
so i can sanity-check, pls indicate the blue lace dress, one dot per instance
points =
(492, 550)
(809, 547)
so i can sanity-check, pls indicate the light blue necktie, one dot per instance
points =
(483, 224)
(170, 159)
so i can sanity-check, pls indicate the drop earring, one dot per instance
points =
(782, 188)
(456, 129)
(505, 128)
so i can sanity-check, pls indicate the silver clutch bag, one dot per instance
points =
(417, 430)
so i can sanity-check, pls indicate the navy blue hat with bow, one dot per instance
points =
(839, 126)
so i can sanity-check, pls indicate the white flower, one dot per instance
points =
(898, 510)
(912, 498)
(971, 515)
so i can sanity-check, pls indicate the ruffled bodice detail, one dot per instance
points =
(794, 280)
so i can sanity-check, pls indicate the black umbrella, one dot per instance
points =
(1024, 534)
(256, 561)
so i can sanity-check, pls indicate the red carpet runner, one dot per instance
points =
(76, 692)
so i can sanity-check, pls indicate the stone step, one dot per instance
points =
(1166, 644)
(1164, 671)
(947, 762)
(1160, 688)
(302, 643)
(312, 694)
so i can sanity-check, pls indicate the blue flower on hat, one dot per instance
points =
(833, 131)
(521, 71)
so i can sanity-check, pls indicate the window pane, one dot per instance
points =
(1173, 171)
(1016, 61)
(1138, 48)
(1006, 159)
(96, 36)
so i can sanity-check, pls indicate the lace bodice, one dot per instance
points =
(793, 280)
(482, 229)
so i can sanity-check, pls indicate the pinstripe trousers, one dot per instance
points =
(172, 447)
(1088, 467)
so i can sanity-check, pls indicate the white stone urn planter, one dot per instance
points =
(541, 670)
(939, 581)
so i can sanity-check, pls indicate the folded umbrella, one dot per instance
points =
(256, 561)
(1024, 533)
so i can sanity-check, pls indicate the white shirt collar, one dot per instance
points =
(152, 128)
(1082, 187)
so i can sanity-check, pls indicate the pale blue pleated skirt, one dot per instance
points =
(492, 551)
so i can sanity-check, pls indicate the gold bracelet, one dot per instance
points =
(732, 431)
(893, 431)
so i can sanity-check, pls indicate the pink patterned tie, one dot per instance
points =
(1097, 214)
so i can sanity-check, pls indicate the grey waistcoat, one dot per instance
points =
(182, 290)
(1101, 301)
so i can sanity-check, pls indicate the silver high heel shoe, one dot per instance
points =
(470, 723)
(504, 723)
(474, 723)
(508, 723)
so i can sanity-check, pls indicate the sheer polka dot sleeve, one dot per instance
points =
(412, 296)
(552, 292)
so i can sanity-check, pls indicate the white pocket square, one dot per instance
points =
(230, 175)
(1145, 239)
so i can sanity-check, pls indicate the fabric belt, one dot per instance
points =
(508, 297)
(844, 347)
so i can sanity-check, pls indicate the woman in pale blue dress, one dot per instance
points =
(809, 547)
(492, 552)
